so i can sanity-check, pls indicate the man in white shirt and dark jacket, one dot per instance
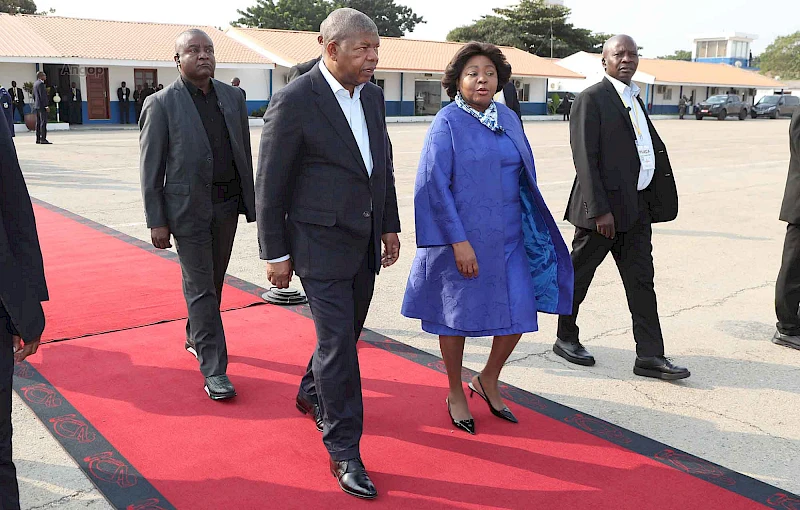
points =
(624, 183)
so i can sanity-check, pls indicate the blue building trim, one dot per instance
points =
(664, 109)
(724, 60)
(270, 83)
(533, 108)
(253, 105)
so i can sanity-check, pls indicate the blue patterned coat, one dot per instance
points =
(459, 197)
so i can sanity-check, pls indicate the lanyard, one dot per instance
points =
(633, 112)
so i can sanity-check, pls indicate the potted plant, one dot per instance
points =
(30, 117)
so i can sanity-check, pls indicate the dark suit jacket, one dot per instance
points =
(790, 209)
(510, 96)
(40, 99)
(6, 105)
(120, 92)
(22, 282)
(607, 164)
(176, 163)
(314, 198)
(17, 95)
(302, 68)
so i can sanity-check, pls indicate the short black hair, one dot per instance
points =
(474, 49)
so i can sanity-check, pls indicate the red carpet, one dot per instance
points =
(129, 407)
(143, 394)
(99, 283)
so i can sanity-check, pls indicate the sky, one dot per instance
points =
(659, 26)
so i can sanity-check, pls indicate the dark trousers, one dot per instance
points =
(787, 288)
(137, 110)
(125, 112)
(633, 253)
(41, 125)
(18, 107)
(332, 378)
(9, 491)
(204, 259)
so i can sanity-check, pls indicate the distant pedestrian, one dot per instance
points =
(41, 105)
(124, 97)
(75, 105)
(787, 288)
(138, 101)
(235, 83)
(18, 100)
(567, 106)
(682, 102)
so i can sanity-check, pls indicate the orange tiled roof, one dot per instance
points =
(58, 37)
(397, 54)
(702, 73)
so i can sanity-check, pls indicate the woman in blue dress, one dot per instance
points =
(489, 255)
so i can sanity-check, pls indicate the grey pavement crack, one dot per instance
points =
(64, 499)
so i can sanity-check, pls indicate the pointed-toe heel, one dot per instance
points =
(467, 426)
(505, 413)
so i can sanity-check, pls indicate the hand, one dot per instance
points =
(391, 249)
(47, 108)
(280, 273)
(160, 236)
(605, 225)
(466, 261)
(21, 352)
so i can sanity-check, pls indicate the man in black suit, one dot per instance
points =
(41, 105)
(325, 199)
(18, 100)
(75, 104)
(197, 177)
(302, 68)
(138, 102)
(510, 98)
(787, 288)
(235, 84)
(124, 98)
(22, 290)
(624, 183)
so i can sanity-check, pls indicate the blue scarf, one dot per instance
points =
(487, 118)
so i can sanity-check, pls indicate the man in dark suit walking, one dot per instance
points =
(624, 183)
(326, 200)
(18, 100)
(124, 99)
(22, 290)
(787, 288)
(510, 99)
(196, 192)
(41, 105)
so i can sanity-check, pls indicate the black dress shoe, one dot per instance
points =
(190, 348)
(46, 142)
(310, 408)
(505, 413)
(786, 340)
(573, 352)
(353, 478)
(659, 367)
(467, 426)
(219, 387)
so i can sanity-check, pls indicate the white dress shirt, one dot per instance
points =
(354, 114)
(628, 94)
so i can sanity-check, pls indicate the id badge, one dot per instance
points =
(646, 157)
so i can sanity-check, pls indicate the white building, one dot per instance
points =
(731, 48)
(663, 82)
(409, 71)
(99, 55)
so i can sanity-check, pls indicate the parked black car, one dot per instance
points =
(721, 106)
(776, 106)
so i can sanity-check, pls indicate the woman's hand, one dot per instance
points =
(466, 261)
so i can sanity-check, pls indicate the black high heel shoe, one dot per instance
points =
(504, 413)
(465, 425)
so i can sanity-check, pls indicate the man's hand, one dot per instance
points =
(23, 351)
(605, 225)
(466, 261)
(280, 273)
(160, 236)
(391, 249)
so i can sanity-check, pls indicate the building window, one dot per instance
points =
(525, 93)
(668, 94)
(145, 76)
(381, 84)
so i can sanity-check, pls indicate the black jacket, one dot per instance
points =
(510, 96)
(22, 282)
(790, 209)
(607, 164)
(314, 198)
(302, 68)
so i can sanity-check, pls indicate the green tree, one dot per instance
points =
(782, 57)
(393, 20)
(535, 27)
(285, 14)
(18, 6)
(678, 55)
